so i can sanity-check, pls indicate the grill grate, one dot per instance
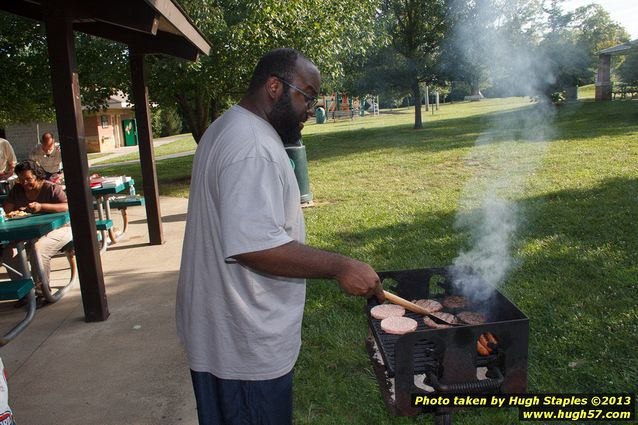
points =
(447, 356)
(423, 350)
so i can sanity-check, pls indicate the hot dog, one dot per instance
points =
(483, 341)
(481, 349)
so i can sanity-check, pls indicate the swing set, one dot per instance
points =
(341, 106)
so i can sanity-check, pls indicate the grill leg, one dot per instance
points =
(443, 419)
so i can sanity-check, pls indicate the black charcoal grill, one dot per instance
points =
(443, 361)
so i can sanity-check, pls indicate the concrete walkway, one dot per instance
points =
(129, 369)
(125, 150)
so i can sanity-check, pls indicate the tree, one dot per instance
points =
(171, 122)
(594, 29)
(384, 72)
(629, 69)
(25, 75)
(240, 33)
(471, 29)
(26, 94)
(572, 43)
(415, 30)
(491, 44)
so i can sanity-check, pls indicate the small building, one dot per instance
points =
(111, 128)
(603, 77)
(104, 130)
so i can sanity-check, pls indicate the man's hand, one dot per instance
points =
(34, 207)
(357, 278)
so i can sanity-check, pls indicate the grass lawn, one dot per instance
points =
(185, 144)
(97, 155)
(388, 195)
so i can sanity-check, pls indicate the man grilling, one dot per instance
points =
(241, 288)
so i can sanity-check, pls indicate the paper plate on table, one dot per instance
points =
(20, 217)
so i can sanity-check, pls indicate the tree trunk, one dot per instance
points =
(416, 94)
(475, 89)
(215, 110)
(195, 114)
(427, 99)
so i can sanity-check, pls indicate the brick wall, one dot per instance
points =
(23, 137)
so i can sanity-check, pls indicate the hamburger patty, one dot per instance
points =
(471, 317)
(455, 302)
(398, 325)
(383, 311)
(429, 305)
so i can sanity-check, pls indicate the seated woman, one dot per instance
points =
(34, 194)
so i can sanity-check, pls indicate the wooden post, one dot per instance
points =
(66, 96)
(603, 80)
(145, 140)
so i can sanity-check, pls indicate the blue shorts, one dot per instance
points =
(236, 402)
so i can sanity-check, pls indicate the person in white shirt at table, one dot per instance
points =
(49, 155)
(7, 159)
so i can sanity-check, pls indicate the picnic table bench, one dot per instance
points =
(15, 290)
(25, 232)
(623, 90)
(122, 203)
(105, 224)
(105, 200)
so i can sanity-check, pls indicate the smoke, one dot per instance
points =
(502, 160)
(504, 156)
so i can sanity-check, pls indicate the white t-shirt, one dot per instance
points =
(234, 322)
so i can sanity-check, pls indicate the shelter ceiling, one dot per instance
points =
(149, 26)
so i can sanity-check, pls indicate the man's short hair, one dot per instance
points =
(47, 134)
(279, 62)
(34, 166)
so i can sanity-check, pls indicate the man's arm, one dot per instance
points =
(297, 260)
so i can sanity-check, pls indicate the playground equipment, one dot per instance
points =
(341, 106)
(373, 101)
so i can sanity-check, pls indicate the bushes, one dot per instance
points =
(165, 121)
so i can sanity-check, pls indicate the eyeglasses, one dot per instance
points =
(311, 101)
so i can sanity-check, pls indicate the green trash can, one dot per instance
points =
(320, 115)
(299, 162)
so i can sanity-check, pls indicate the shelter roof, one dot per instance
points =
(119, 100)
(148, 26)
(620, 49)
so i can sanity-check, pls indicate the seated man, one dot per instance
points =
(34, 194)
(49, 156)
(7, 159)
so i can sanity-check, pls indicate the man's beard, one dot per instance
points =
(283, 119)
